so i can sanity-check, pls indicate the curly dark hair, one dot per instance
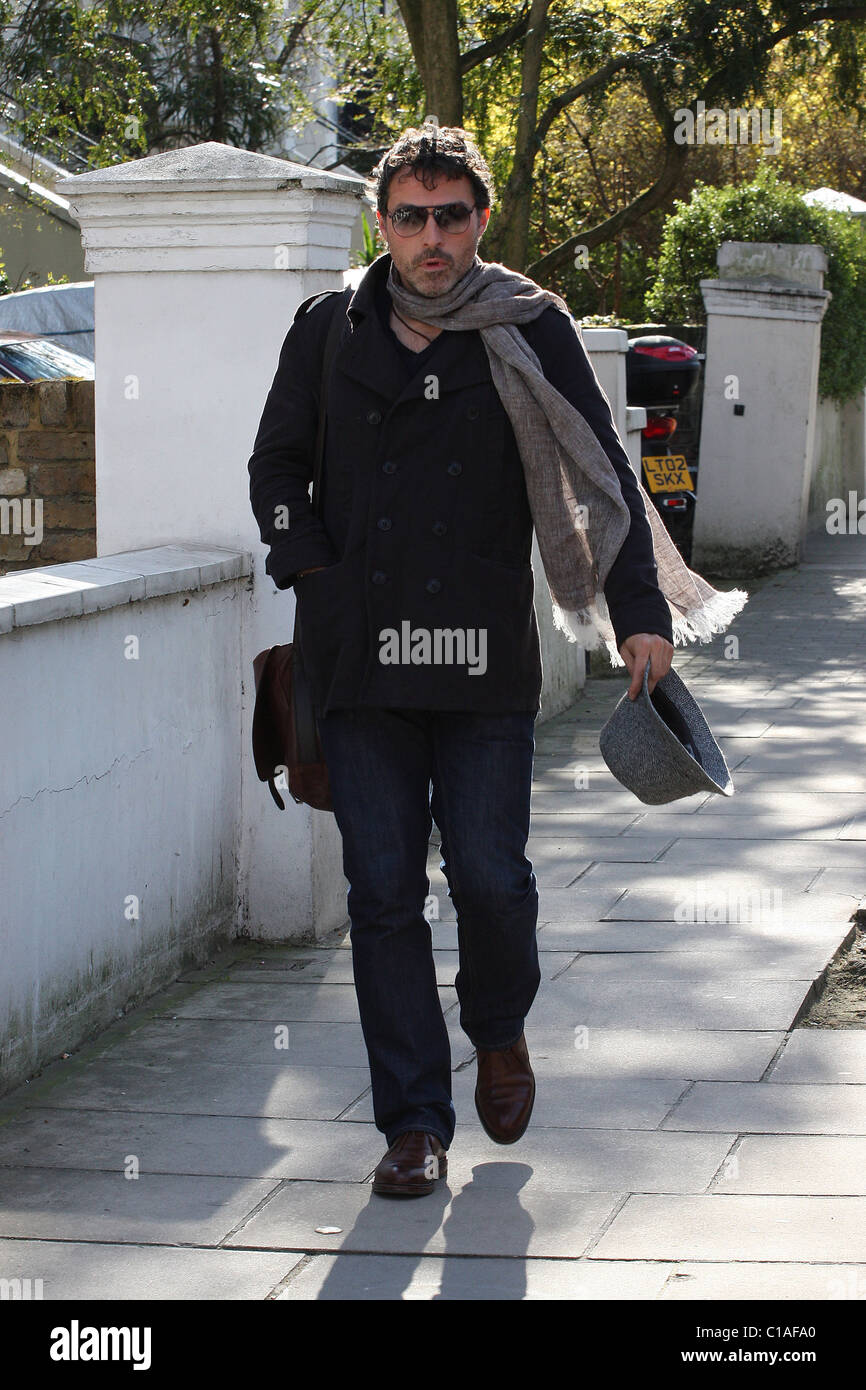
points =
(431, 150)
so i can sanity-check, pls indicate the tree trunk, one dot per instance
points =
(432, 29)
(511, 238)
(218, 117)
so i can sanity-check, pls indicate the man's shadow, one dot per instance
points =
(484, 1218)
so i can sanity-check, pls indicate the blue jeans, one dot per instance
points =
(381, 763)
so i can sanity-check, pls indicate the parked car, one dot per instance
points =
(27, 357)
(61, 313)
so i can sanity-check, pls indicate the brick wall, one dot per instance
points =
(46, 457)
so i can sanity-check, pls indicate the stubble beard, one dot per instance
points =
(435, 284)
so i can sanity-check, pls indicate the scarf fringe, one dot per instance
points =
(592, 629)
(710, 618)
(578, 625)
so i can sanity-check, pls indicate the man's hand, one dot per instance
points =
(301, 573)
(637, 650)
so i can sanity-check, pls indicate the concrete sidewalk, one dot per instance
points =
(688, 1140)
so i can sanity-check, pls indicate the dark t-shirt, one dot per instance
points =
(411, 360)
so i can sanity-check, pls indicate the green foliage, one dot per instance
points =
(371, 251)
(768, 209)
(113, 79)
(5, 287)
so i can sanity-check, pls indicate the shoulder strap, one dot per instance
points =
(335, 331)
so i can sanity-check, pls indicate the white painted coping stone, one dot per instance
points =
(53, 592)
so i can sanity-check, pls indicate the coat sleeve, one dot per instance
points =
(634, 600)
(281, 465)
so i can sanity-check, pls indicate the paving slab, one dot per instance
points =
(821, 1164)
(681, 1054)
(742, 904)
(773, 1282)
(799, 780)
(773, 823)
(363, 1278)
(718, 1228)
(810, 856)
(81, 1271)
(244, 1043)
(578, 822)
(574, 776)
(663, 935)
(756, 1108)
(472, 1220)
(219, 1145)
(847, 882)
(822, 1055)
(761, 959)
(638, 849)
(592, 1160)
(723, 1002)
(161, 1208)
(564, 1100)
(210, 1088)
(616, 800)
(666, 874)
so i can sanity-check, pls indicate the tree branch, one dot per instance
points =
(493, 47)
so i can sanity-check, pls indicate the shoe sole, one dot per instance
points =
(497, 1139)
(381, 1190)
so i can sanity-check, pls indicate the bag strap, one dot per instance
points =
(335, 331)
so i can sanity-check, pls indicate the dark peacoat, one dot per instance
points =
(426, 531)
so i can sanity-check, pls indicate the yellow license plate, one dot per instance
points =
(667, 473)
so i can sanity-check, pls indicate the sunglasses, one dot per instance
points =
(408, 220)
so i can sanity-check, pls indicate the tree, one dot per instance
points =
(555, 56)
(544, 87)
(90, 83)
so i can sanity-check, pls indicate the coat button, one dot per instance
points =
(454, 468)
(389, 466)
(473, 412)
(378, 576)
(384, 523)
(439, 528)
(374, 417)
(433, 586)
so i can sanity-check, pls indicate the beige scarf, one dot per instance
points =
(580, 516)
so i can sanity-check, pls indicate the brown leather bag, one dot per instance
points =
(285, 734)
(285, 738)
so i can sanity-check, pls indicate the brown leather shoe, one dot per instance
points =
(411, 1166)
(505, 1091)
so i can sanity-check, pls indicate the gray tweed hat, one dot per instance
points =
(659, 745)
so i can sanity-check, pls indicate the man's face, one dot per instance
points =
(432, 261)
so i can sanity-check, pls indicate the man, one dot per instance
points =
(415, 604)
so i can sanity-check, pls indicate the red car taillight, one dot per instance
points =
(659, 427)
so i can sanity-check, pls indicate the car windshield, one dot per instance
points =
(38, 359)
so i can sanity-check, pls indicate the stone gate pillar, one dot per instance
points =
(764, 317)
(200, 257)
